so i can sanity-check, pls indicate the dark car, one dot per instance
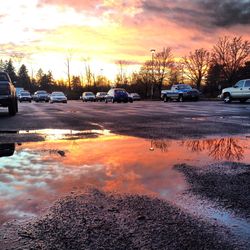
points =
(100, 96)
(41, 96)
(118, 95)
(7, 149)
(8, 96)
(24, 96)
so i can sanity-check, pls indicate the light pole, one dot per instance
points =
(152, 83)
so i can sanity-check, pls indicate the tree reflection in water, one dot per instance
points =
(230, 149)
(163, 145)
(220, 149)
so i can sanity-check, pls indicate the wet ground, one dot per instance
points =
(199, 185)
(141, 119)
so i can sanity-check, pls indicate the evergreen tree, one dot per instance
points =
(10, 69)
(2, 68)
(23, 79)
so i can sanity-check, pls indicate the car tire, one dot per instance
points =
(16, 104)
(12, 109)
(106, 101)
(165, 98)
(113, 100)
(180, 98)
(227, 98)
(243, 100)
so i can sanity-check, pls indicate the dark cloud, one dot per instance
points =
(227, 13)
(205, 13)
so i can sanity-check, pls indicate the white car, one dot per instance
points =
(135, 96)
(88, 96)
(240, 91)
(58, 97)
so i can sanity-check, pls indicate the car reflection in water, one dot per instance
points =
(7, 149)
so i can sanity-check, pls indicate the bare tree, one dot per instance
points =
(90, 76)
(231, 54)
(162, 63)
(197, 66)
(121, 76)
(68, 63)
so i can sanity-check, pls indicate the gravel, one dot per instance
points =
(98, 220)
(228, 184)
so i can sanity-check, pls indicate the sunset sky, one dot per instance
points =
(44, 32)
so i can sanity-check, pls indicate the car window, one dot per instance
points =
(3, 77)
(247, 83)
(239, 84)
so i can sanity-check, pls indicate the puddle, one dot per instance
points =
(50, 134)
(34, 174)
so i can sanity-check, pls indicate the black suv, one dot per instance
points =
(8, 96)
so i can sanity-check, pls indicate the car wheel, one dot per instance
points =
(243, 100)
(113, 100)
(180, 98)
(12, 109)
(16, 104)
(165, 99)
(227, 98)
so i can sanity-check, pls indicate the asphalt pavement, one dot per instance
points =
(148, 119)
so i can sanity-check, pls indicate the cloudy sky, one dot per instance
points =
(42, 33)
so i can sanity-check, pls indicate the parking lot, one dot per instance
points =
(187, 163)
(144, 119)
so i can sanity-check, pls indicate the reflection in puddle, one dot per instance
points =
(59, 134)
(39, 172)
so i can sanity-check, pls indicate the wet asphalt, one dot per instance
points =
(147, 119)
(140, 222)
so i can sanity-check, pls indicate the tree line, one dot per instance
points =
(208, 71)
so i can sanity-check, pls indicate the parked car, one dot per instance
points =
(24, 96)
(100, 96)
(41, 96)
(58, 97)
(8, 96)
(240, 91)
(118, 95)
(88, 97)
(180, 92)
(135, 96)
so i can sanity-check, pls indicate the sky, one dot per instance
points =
(43, 33)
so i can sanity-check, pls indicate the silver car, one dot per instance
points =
(58, 97)
(88, 97)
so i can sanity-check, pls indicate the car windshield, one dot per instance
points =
(101, 94)
(25, 93)
(57, 94)
(120, 91)
(3, 77)
(89, 94)
(42, 92)
(184, 87)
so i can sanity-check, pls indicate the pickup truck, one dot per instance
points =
(240, 91)
(8, 96)
(180, 92)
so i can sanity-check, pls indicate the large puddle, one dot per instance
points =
(34, 174)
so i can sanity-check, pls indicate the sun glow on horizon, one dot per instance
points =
(42, 33)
